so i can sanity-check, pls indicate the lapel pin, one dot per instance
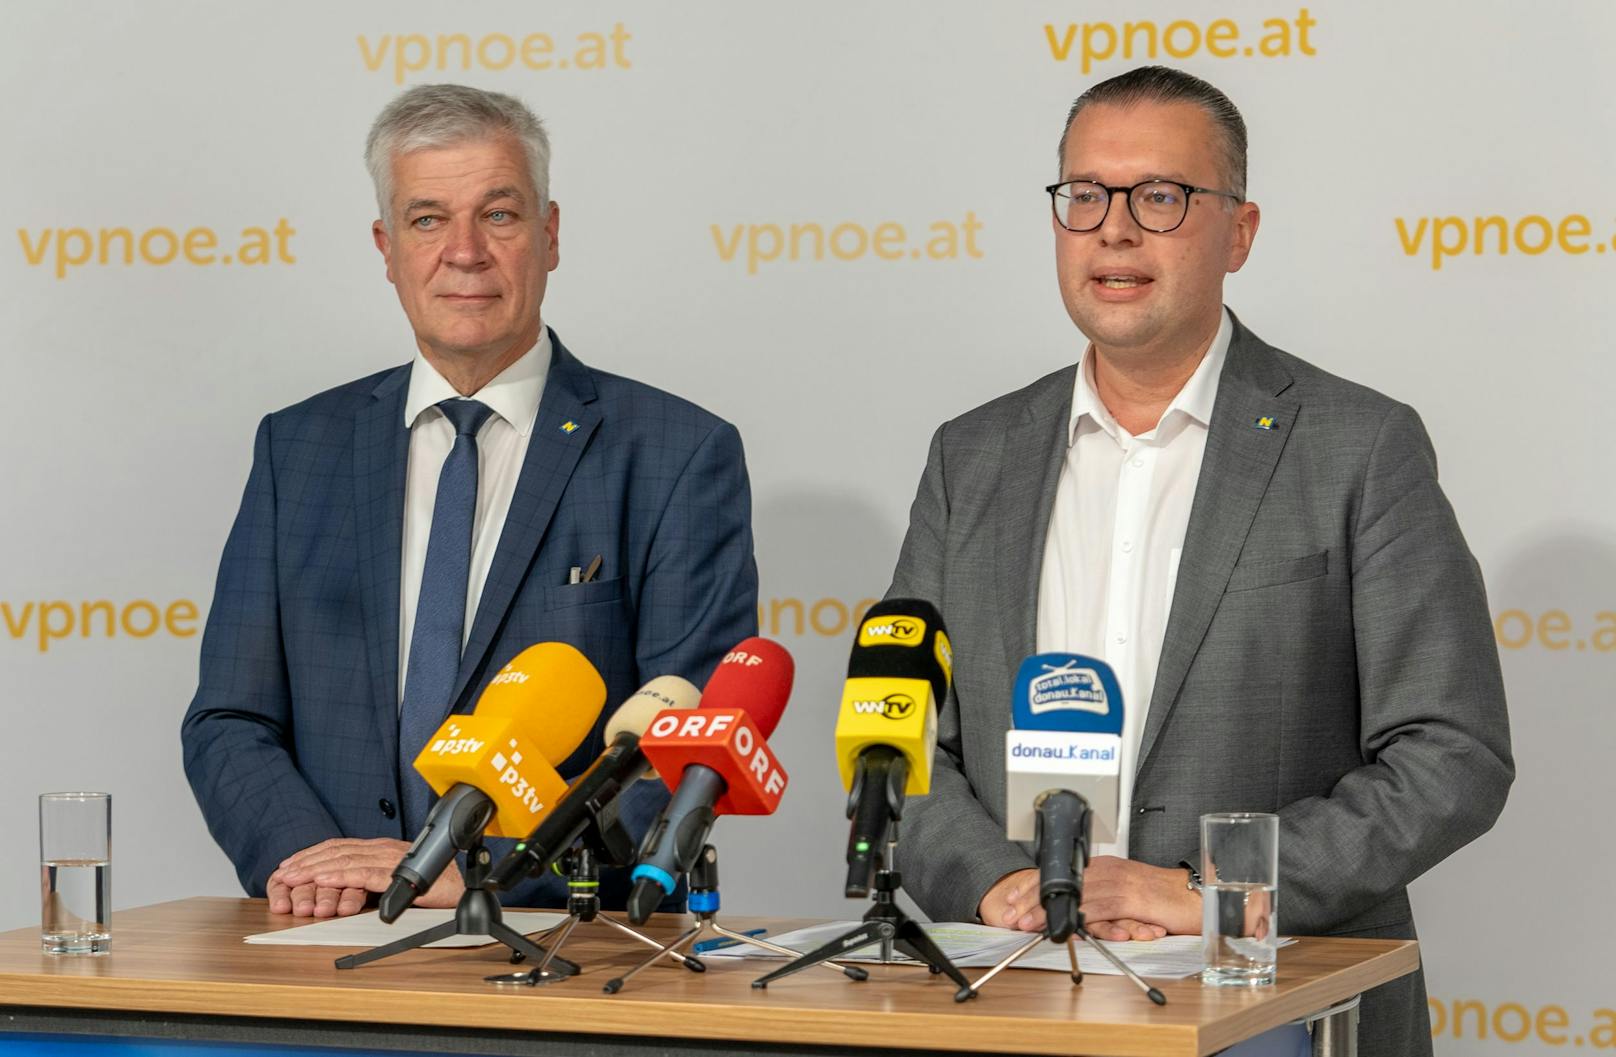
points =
(1265, 422)
(569, 427)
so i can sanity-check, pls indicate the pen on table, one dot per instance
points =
(712, 945)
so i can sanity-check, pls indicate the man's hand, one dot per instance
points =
(332, 878)
(1127, 900)
(1012, 903)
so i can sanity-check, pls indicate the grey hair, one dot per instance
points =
(447, 115)
(1162, 84)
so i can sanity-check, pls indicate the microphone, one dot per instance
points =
(716, 760)
(495, 769)
(1063, 762)
(591, 803)
(886, 732)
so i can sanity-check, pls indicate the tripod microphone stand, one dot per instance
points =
(704, 902)
(875, 804)
(583, 906)
(477, 914)
(1063, 821)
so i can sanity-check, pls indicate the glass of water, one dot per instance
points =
(75, 872)
(1240, 898)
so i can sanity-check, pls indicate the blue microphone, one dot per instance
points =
(1067, 713)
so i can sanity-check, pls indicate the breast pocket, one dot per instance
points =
(566, 596)
(1249, 576)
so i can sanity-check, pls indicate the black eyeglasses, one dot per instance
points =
(1156, 205)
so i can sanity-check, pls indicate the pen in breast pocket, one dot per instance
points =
(712, 945)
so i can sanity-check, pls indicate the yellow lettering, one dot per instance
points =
(1219, 32)
(726, 251)
(1552, 1017)
(151, 625)
(1183, 51)
(1605, 635)
(108, 234)
(1130, 30)
(48, 629)
(411, 54)
(254, 246)
(1092, 30)
(1442, 247)
(89, 609)
(755, 251)
(1459, 1010)
(1543, 225)
(536, 49)
(197, 240)
(180, 613)
(1523, 1026)
(459, 40)
(888, 241)
(972, 226)
(798, 231)
(1058, 50)
(373, 60)
(151, 236)
(283, 233)
(591, 53)
(1483, 223)
(1574, 226)
(1554, 622)
(833, 604)
(1304, 22)
(620, 39)
(1411, 244)
(16, 626)
(80, 254)
(944, 244)
(860, 242)
(1277, 42)
(1505, 639)
(504, 41)
(34, 255)
(790, 606)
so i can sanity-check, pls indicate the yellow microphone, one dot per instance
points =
(886, 732)
(495, 769)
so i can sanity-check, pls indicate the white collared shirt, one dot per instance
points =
(1115, 536)
(514, 396)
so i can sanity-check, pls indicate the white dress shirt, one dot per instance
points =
(514, 395)
(1115, 536)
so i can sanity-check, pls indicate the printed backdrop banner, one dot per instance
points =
(825, 223)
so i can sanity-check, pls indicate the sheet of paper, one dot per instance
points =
(971, 946)
(367, 930)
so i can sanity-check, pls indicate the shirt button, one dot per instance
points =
(1137, 461)
(387, 807)
(1127, 546)
(1121, 639)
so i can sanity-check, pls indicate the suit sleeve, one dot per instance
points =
(1433, 729)
(236, 735)
(952, 850)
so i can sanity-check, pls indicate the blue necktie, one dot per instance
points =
(440, 609)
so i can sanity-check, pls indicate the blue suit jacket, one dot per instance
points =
(292, 736)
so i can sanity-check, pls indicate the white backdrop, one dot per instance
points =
(688, 140)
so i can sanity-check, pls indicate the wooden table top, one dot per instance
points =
(187, 957)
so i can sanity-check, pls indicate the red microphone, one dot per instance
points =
(716, 760)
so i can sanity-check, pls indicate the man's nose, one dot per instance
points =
(466, 245)
(1119, 226)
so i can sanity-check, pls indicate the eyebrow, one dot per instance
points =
(1175, 178)
(493, 195)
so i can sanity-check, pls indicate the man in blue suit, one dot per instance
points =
(351, 616)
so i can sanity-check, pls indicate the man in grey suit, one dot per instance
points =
(1259, 548)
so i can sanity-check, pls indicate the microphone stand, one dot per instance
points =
(1061, 860)
(883, 774)
(583, 907)
(477, 914)
(704, 902)
(885, 923)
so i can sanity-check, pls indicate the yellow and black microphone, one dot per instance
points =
(886, 733)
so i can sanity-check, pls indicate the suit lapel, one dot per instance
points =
(565, 423)
(381, 459)
(1235, 470)
(1034, 450)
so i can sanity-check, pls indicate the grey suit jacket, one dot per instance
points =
(1328, 656)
